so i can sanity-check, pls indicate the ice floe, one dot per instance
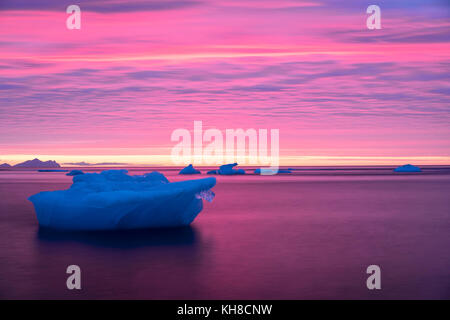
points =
(407, 168)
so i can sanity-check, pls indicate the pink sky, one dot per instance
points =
(137, 70)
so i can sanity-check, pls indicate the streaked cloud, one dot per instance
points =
(310, 68)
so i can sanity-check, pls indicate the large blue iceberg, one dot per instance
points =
(189, 170)
(227, 170)
(407, 168)
(113, 200)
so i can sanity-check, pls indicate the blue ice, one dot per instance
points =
(407, 168)
(269, 171)
(189, 170)
(113, 200)
(227, 170)
(74, 173)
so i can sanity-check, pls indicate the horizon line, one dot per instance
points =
(165, 160)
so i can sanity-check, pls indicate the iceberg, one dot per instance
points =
(407, 168)
(52, 170)
(5, 165)
(268, 171)
(74, 173)
(227, 170)
(113, 200)
(189, 170)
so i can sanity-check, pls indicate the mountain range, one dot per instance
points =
(35, 163)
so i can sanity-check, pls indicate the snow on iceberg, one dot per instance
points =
(74, 173)
(189, 170)
(268, 171)
(227, 170)
(207, 195)
(113, 200)
(407, 168)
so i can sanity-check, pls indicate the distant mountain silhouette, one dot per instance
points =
(36, 163)
(82, 164)
(5, 165)
(110, 164)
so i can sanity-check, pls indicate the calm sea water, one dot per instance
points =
(308, 235)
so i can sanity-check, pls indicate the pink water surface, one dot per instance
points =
(311, 234)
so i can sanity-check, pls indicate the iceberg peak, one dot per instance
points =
(189, 170)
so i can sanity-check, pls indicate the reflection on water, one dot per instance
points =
(183, 236)
(151, 263)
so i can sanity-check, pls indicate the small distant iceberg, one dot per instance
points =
(113, 200)
(5, 165)
(268, 171)
(52, 170)
(227, 170)
(74, 173)
(189, 170)
(407, 168)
